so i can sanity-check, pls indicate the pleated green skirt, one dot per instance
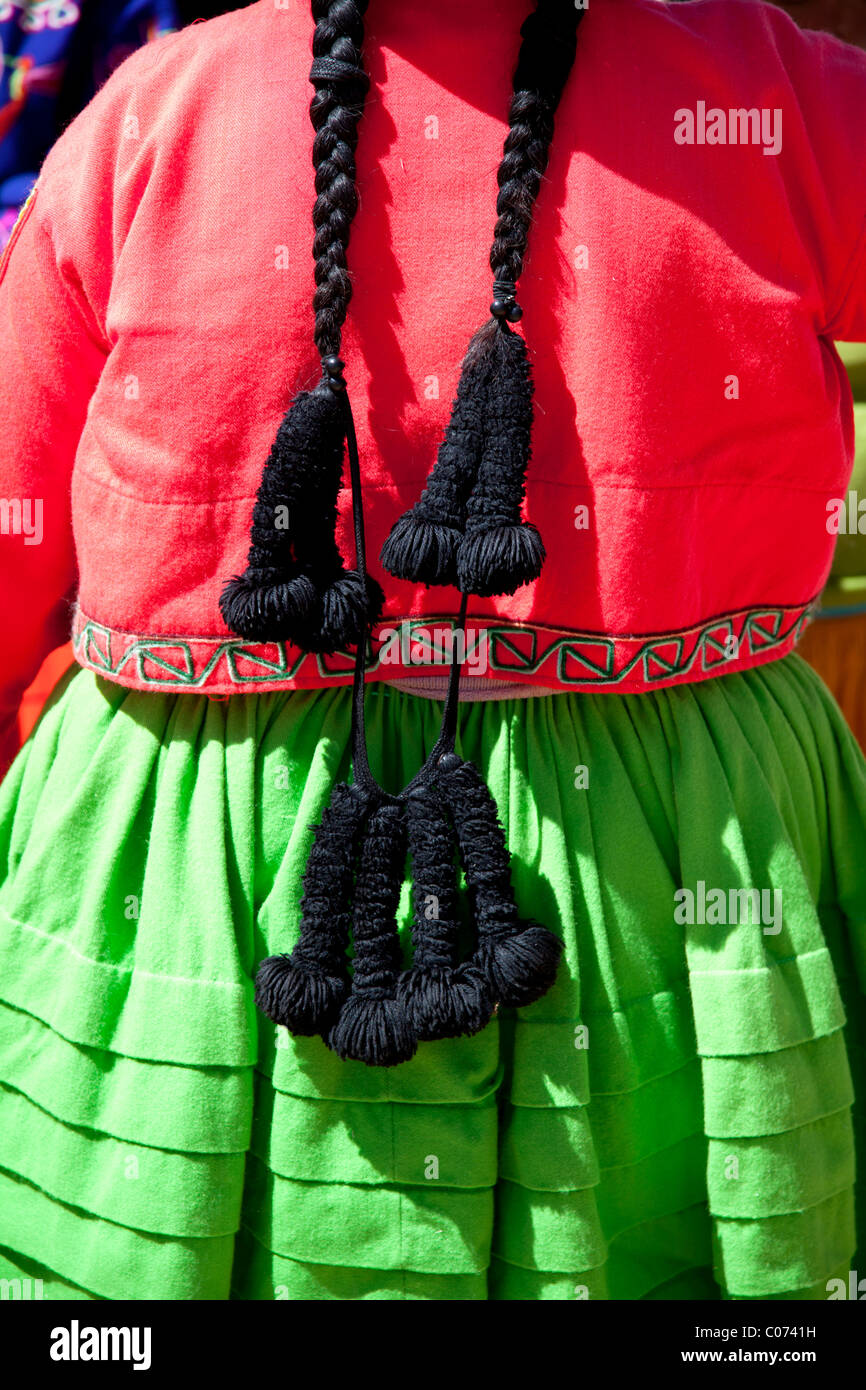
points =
(676, 1118)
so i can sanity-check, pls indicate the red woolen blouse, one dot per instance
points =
(681, 296)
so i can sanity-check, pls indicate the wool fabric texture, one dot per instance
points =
(579, 1143)
(567, 1160)
(137, 413)
(295, 586)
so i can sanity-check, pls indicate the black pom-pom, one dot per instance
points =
(421, 550)
(518, 959)
(422, 544)
(295, 587)
(445, 1002)
(305, 990)
(264, 608)
(440, 1001)
(275, 598)
(499, 559)
(373, 1030)
(521, 966)
(373, 1026)
(344, 611)
(500, 551)
(299, 996)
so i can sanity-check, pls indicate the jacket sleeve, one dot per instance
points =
(833, 91)
(815, 84)
(56, 275)
(51, 355)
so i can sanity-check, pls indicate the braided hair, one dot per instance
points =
(466, 530)
(341, 85)
(296, 587)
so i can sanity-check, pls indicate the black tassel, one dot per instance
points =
(518, 959)
(295, 587)
(466, 529)
(424, 542)
(373, 1026)
(499, 551)
(304, 991)
(439, 1001)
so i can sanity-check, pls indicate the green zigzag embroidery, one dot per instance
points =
(155, 650)
(661, 656)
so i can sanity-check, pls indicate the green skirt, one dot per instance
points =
(677, 1118)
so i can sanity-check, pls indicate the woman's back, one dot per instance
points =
(671, 1116)
(681, 296)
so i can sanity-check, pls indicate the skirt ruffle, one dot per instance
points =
(677, 1118)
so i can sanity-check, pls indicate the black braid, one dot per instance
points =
(340, 88)
(546, 57)
(295, 587)
(466, 529)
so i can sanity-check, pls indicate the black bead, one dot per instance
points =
(499, 308)
(333, 365)
(337, 383)
(449, 761)
(514, 313)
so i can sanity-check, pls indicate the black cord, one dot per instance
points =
(448, 731)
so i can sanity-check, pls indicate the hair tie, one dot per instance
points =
(326, 69)
(332, 371)
(504, 304)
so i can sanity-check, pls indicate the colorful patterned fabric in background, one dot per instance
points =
(56, 54)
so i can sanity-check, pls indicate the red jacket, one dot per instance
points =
(681, 295)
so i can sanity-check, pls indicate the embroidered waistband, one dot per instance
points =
(557, 658)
